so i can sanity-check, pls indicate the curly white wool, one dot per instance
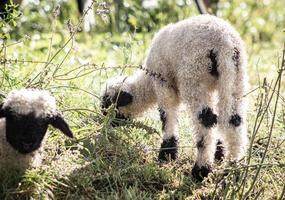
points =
(25, 101)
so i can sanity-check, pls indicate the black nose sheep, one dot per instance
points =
(24, 119)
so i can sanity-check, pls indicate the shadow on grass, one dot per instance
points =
(121, 169)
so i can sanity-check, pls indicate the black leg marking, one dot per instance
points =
(236, 57)
(162, 114)
(207, 117)
(199, 173)
(214, 67)
(235, 120)
(168, 150)
(200, 143)
(219, 154)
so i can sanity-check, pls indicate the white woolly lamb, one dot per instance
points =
(24, 119)
(190, 62)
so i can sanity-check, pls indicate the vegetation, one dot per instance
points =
(46, 50)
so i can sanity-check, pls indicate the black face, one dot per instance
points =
(25, 132)
(120, 100)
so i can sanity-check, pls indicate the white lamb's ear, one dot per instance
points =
(58, 122)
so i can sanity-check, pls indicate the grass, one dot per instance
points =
(121, 163)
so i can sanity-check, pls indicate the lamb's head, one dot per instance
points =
(27, 113)
(117, 92)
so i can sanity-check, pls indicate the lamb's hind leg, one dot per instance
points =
(232, 121)
(232, 105)
(168, 107)
(204, 120)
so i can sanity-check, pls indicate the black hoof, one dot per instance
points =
(168, 150)
(220, 153)
(199, 173)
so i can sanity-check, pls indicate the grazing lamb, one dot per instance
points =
(24, 119)
(200, 62)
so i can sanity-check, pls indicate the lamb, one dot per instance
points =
(24, 118)
(199, 62)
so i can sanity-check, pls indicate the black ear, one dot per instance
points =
(123, 99)
(2, 111)
(59, 123)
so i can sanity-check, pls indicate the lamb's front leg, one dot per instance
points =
(169, 145)
(168, 102)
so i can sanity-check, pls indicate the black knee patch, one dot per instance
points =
(207, 117)
(168, 150)
(235, 120)
(200, 143)
(162, 114)
(236, 57)
(214, 67)
(199, 173)
(220, 153)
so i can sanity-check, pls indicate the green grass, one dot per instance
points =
(121, 163)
